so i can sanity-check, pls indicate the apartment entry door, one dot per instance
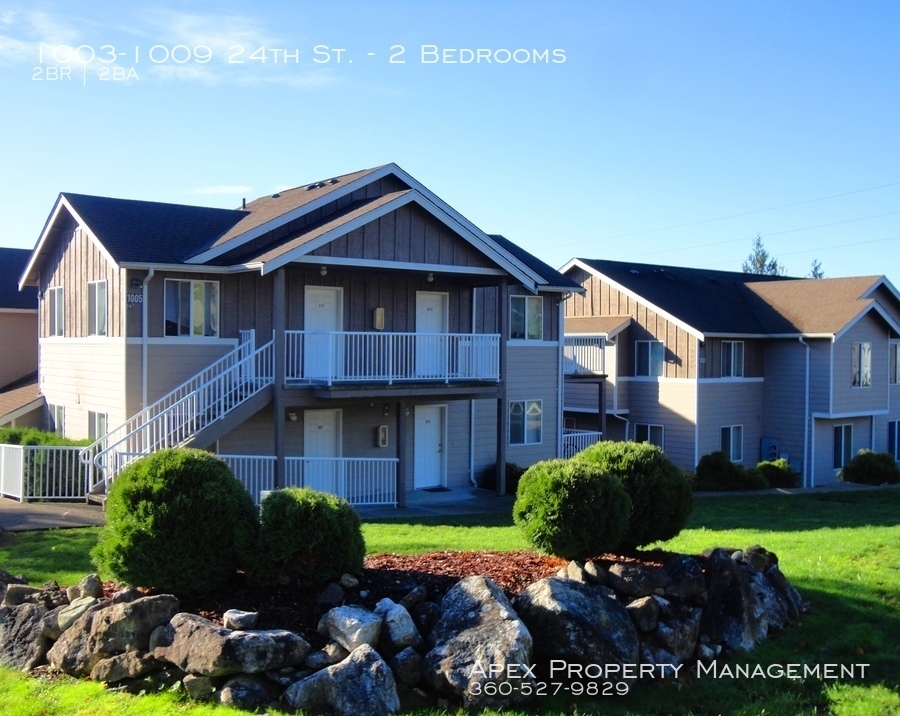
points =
(322, 352)
(431, 344)
(428, 459)
(321, 441)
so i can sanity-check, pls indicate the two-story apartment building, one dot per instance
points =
(696, 361)
(20, 401)
(355, 334)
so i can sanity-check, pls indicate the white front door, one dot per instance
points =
(431, 343)
(322, 353)
(428, 464)
(322, 440)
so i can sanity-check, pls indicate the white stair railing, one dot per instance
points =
(182, 413)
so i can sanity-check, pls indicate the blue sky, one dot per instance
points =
(673, 132)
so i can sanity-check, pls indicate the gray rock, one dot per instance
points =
(760, 558)
(22, 643)
(73, 593)
(249, 692)
(348, 581)
(678, 631)
(790, 596)
(17, 594)
(331, 653)
(331, 596)
(398, 631)
(479, 640)
(199, 688)
(595, 573)
(728, 616)
(237, 620)
(578, 623)
(91, 586)
(360, 685)
(288, 675)
(686, 581)
(426, 615)
(407, 667)
(416, 595)
(7, 578)
(635, 579)
(575, 570)
(351, 626)
(129, 665)
(58, 620)
(198, 646)
(167, 678)
(644, 612)
(126, 594)
(659, 658)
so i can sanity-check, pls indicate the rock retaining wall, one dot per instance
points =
(476, 646)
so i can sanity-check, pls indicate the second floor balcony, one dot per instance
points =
(584, 355)
(329, 357)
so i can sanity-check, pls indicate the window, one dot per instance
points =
(843, 445)
(652, 434)
(97, 308)
(861, 365)
(526, 318)
(895, 361)
(96, 425)
(57, 415)
(56, 309)
(894, 438)
(732, 359)
(733, 442)
(525, 422)
(192, 308)
(649, 357)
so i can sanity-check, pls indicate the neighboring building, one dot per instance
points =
(359, 323)
(758, 366)
(20, 401)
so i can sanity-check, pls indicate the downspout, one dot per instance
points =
(806, 453)
(144, 317)
(472, 408)
(697, 399)
(560, 398)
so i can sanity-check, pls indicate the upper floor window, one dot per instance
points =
(526, 318)
(192, 308)
(895, 362)
(97, 308)
(732, 442)
(843, 445)
(861, 365)
(648, 358)
(525, 420)
(652, 434)
(56, 308)
(732, 359)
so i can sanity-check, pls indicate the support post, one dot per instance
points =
(502, 410)
(278, 326)
(401, 454)
(601, 389)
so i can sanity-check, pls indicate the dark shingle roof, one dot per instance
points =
(151, 231)
(12, 264)
(553, 277)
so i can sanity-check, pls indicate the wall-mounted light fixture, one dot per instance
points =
(430, 278)
(386, 409)
(292, 416)
(378, 319)
(323, 271)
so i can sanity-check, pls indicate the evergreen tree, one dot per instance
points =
(761, 262)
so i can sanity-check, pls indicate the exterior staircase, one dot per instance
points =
(197, 413)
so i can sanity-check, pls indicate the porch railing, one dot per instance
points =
(574, 441)
(256, 472)
(38, 472)
(584, 355)
(183, 412)
(342, 356)
(359, 480)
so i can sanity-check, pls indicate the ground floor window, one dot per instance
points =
(96, 425)
(646, 433)
(894, 438)
(732, 442)
(843, 445)
(57, 417)
(525, 420)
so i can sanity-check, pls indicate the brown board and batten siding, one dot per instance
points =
(72, 264)
(602, 299)
(711, 357)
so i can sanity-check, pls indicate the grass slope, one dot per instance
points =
(839, 549)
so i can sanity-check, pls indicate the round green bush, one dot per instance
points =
(661, 499)
(571, 509)
(872, 468)
(778, 473)
(715, 472)
(176, 521)
(307, 536)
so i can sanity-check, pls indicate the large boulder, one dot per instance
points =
(636, 580)
(249, 692)
(481, 650)
(120, 667)
(360, 685)
(22, 642)
(728, 616)
(399, 630)
(577, 622)
(686, 582)
(351, 626)
(677, 629)
(198, 646)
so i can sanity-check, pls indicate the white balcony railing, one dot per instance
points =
(37, 472)
(584, 355)
(359, 480)
(342, 356)
(574, 441)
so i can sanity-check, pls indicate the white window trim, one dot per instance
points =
(56, 300)
(649, 374)
(649, 426)
(730, 451)
(527, 301)
(57, 416)
(525, 425)
(856, 353)
(193, 281)
(94, 432)
(731, 373)
(98, 308)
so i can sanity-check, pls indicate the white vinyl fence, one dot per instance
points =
(574, 441)
(33, 472)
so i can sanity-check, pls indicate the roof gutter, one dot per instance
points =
(191, 268)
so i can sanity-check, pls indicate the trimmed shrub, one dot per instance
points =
(661, 499)
(33, 436)
(778, 473)
(307, 536)
(715, 471)
(571, 508)
(176, 521)
(488, 479)
(872, 468)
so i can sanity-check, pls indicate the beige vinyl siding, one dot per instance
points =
(533, 374)
(581, 396)
(784, 397)
(671, 404)
(256, 436)
(84, 376)
(824, 472)
(18, 345)
(848, 399)
(170, 364)
(723, 404)
(71, 264)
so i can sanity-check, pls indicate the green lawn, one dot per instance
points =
(839, 549)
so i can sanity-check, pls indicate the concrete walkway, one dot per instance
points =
(23, 516)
